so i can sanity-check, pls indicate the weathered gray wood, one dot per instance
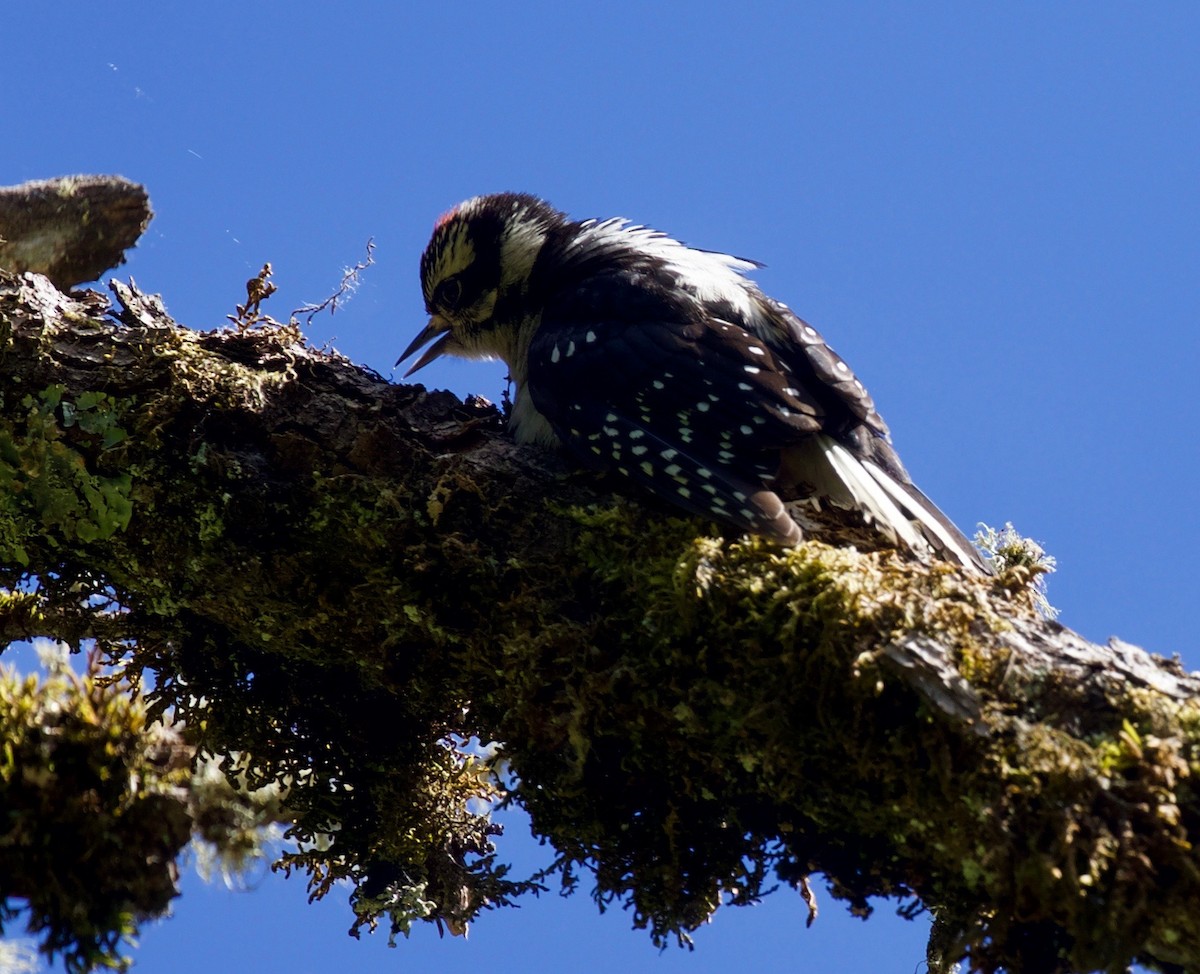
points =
(71, 229)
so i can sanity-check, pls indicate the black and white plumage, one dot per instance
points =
(666, 363)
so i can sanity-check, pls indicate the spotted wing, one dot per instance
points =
(694, 408)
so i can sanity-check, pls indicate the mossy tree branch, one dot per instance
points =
(341, 582)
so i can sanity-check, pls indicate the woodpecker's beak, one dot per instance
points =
(437, 326)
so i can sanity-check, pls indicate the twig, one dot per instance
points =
(348, 285)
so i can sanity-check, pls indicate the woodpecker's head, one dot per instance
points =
(474, 273)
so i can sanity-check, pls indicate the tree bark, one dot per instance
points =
(71, 229)
(354, 587)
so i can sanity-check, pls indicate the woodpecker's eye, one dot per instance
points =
(448, 294)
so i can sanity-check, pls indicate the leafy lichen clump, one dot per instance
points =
(82, 755)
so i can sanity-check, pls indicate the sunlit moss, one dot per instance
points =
(688, 719)
(82, 756)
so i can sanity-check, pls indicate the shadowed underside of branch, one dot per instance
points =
(341, 584)
(73, 228)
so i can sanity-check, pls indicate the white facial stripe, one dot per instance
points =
(522, 242)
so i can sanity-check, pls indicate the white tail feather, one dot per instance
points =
(876, 503)
(928, 521)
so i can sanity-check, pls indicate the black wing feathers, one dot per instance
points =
(696, 409)
(700, 406)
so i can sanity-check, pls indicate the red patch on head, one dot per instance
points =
(445, 218)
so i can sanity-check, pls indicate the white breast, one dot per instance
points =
(527, 424)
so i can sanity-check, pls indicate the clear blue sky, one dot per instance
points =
(991, 210)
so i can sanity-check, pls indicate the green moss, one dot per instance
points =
(688, 719)
(47, 487)
(81, 755)
(683, 723)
